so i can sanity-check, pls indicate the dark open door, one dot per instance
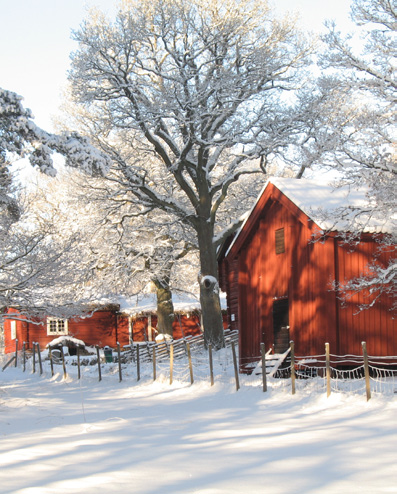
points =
(280, 326)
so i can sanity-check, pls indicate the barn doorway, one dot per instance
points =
(281, 325)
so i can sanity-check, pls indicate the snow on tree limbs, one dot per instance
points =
(35, 260)
(362, 124)
(196, 87)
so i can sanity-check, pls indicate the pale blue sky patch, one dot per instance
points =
(35, 43)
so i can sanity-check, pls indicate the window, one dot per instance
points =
(13, 326)
(280, 244)
(57, 326)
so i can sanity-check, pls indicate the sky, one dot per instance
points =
(35, 43)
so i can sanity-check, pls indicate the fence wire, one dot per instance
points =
(346, 372)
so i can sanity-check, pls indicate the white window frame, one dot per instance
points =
(13, 328)
(57, 326)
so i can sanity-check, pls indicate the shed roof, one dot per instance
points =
(138, 305)
(331, 208)
(147, 303)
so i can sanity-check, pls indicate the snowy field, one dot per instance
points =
(69, 436)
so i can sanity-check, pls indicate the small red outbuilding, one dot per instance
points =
(278, 278)
(132, 320)
(103, 326)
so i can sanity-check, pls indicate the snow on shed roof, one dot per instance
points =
(331, 208)
(147, 303)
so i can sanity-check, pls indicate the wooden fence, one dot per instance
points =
(188, 356)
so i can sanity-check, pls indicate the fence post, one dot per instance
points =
(264, 380)
(138, 364)
(119, 357)
(24, 356)
(16, 353)
(63, 363)
(328, 369)
(154, 363)
(211, 363)
(34, 356)
(292, 347)
(51, 362)
(235, 366)
(78, 362)
(189, 356)
(171, 361)
(366, 370)
(99, 363)
(39, 355)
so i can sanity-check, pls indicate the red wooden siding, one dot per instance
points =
(375, 325)
(186, 325)
(103, 328)
(254, 276)
(183, 325)
(100, 329)
(22, 333)
(123, 335)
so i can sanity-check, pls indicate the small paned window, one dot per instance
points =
(13, 326)
(57, 326)
(280, 244)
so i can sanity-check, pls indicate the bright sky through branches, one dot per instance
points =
(35, 43)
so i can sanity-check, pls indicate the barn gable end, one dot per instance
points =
(276, 276)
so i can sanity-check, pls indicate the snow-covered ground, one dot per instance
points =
(69, 436)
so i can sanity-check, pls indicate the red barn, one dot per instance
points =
(132, 320)
(279, 281)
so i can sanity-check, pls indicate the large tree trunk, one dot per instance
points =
(209, 288)
(165, 307)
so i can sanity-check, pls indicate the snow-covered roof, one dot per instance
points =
(331, 208)
(139, 305)
(64, 341)
(147, 303)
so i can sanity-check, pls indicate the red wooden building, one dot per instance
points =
(279, 281)
(105, 326)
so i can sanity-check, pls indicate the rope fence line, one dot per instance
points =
(329, 372)
(187, 360)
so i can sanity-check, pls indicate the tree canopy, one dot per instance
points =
(37, 260)
(187, 97)
(359, 126)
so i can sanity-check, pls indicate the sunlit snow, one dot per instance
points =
(65, 435)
